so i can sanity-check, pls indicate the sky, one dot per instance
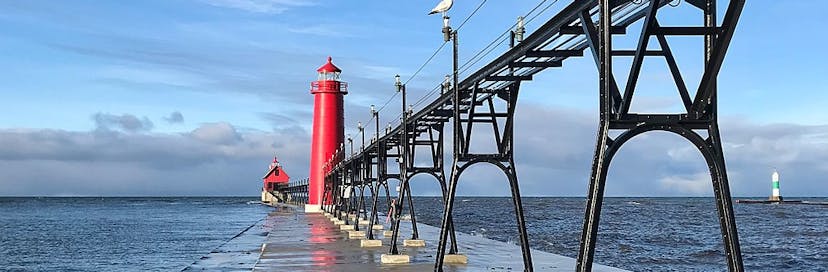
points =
(195, 97)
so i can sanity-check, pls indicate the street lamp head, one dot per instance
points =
(397, 82)
(373, 111)
(446, 85)
(520, 30)
(359, 126)
(410, 109)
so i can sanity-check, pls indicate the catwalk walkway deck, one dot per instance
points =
(310, 242)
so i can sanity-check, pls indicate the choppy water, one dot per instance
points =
(113, 234)
(640, 234)
(654, 234)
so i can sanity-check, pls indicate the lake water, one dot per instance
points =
(116, 234)
(640, 234)
(654, 234)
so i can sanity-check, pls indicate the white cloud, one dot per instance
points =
(697, 184)
(321, 30)
(216, 133)
(261, 6)
(123, 122)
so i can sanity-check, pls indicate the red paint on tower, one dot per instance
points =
(328, 127)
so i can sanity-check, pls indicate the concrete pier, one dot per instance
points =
(311, 242)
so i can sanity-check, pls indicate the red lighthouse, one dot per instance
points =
(328, 128)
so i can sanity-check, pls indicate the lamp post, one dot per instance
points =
(404, 137)
(361, 131)
(403, 159)
(375, 114)
(446, 85)
(351, 144)
(400, 89)
(451, 35)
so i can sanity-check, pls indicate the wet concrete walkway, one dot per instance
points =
(311, 242)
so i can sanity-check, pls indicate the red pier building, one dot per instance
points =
(275, 177)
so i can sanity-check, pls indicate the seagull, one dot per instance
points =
(442, 7)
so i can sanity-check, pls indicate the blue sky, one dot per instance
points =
(98, 86)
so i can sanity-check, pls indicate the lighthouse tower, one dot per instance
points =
(775, 196)
(328, 129)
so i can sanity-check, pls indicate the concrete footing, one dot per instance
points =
(346, 227)
(455, 259)
(413, 243)
(377, 227)
(356, 234)
(313, 208)
(370, 243)
(364, 222)
(388, 233)
(395, 259)
(339, 222)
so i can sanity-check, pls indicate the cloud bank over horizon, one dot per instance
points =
(553, 154)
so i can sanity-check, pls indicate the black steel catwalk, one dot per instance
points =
(487, 98)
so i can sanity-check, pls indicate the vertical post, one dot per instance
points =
(351, 145)
(456, 101)
(447, 224)
(403, 165)
(721, 187)
(598, 177)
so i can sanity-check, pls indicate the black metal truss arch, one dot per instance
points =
(465, 117)
(433, 139)
(701, 112)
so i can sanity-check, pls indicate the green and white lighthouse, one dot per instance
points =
(775, 196)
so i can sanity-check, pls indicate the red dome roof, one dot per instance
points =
(328, 67)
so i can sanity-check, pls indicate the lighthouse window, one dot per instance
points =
(328, 76)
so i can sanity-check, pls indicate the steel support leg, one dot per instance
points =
(524, 237)
(721, 188)
(598, 177)
(453, 248)
(414, 233)
(445, 226)
(395, 221)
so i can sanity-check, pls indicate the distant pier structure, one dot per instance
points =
(776, 196)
